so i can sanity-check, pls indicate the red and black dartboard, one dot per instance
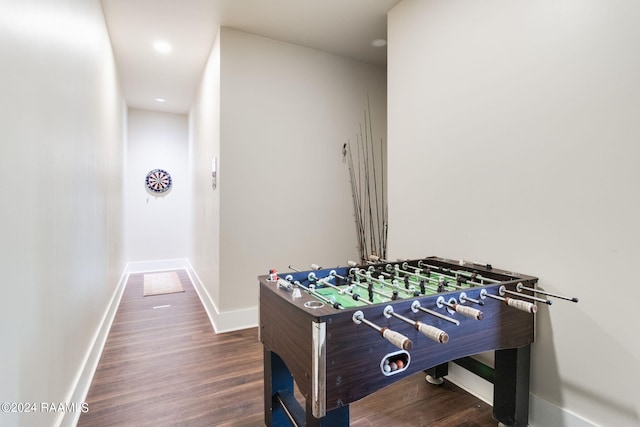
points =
(158, 181)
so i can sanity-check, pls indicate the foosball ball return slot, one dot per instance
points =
(395, 363)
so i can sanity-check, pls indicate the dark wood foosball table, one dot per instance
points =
(344, 333)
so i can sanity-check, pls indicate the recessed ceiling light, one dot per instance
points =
(162, 46)
(378, 43)
(160, 99)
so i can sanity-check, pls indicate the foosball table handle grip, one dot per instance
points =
(469, 312)
(397, 339)
(521, 305)
(432, 332)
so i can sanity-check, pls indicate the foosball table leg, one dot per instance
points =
(435, 375)
(278, 387)
(511, 386)
(338, 417)
(282, 408)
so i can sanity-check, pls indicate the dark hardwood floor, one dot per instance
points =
(166, 366)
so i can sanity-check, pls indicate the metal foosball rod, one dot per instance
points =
(442, 282)
(376, 259)
(375, 291)
(424, 284)
(441, 275)
(348, 291)
(355, 264)
(460, 272)
(428, 279)
(464, 297)
(321, 297)
(359, 273)
(409, 290)
(458, 280)
(471, 275)
(415, 307)
(367, 276)
(431, 332)
(422, 264)
(418, 272)
(520, 287)
(464, 310)
(313, 267)
(511, 302)
(467, 311)
(382, 273)
(334, 273)
(503, 290)
(395, 338)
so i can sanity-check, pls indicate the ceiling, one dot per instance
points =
(342, 27)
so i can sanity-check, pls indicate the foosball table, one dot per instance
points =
(344, 333)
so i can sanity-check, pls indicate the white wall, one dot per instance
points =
(518, 121)
(157, 225)
(284, 195)
(204, 145)
(62, 123)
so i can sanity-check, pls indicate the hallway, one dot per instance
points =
(166, 366)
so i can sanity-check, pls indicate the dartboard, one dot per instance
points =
(158, 181)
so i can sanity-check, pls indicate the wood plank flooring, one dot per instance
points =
(166, 366)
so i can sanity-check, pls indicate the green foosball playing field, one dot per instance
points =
(383, 290)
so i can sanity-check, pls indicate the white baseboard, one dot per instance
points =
(541, 412)
(157, 265)
(223, 321)
(471, 383)
(88, 368)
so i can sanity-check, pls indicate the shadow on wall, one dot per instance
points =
(613, 362)
(601, 400)
(543, 358)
